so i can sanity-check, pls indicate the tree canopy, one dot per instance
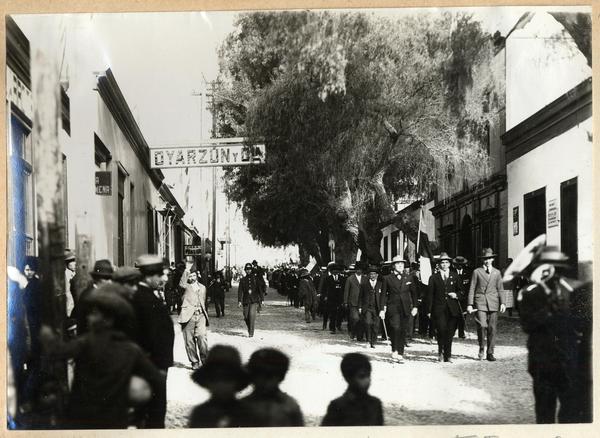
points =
(355, 110)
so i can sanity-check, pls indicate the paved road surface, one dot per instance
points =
(420, 391)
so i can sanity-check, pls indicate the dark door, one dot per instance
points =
(568, 220)
(466, 240)
(534, 214)
(394, 243)
(120, 219)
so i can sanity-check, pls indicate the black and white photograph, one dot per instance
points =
(304, 217)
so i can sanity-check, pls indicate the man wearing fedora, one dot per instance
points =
(351, 301)
(399, 299)
(485, 293)
(156, 334)
(443, 304)
(334, 298)
(369, 301)
(101, 274)
(464, 279)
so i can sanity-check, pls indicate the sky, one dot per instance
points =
(161, 59)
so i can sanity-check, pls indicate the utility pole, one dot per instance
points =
(214, 85)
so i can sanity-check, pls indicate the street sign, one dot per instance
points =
(104, 183)
(218, 153)
(192, 250)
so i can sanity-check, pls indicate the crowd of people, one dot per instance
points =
(119, 336)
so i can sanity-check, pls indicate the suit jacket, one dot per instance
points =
(352, 290)
(438, 299)
(334, 291)
(485, 292)
(353, 409)
(156, 334)
(194, 298)
(464, 283)
(307, 292)
(402, 292)
(249, 291)
(370, 297)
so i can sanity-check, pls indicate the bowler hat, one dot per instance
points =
(248, 266)
(69, 255)
(222, 362)
(398, 259)
(459, 260)
(150, 264)
(126, 274)
(102, 269)
(373, 268)
(444, 256)
(335, 267)
(487, 253)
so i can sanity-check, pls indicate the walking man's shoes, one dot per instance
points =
(440, 357)
(491, 357)
(481, 355)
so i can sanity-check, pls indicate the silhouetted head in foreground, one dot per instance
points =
(267, 368)
(222, 373)
(356, 370)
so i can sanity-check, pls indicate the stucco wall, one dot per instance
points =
(562, 158)
(542, 63)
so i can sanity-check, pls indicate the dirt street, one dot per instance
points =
(420, 391)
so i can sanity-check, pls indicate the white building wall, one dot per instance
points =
(562, 158)
(542, 63)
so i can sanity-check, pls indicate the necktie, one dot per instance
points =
(487, 269)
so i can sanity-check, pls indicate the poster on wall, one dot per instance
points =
(515, 221)
(552, 213)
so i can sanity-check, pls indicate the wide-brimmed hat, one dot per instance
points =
(459, 260)
(222, 362)
(398, 259)
(126, 274)
(248, 266)
(361, 265)
(102, 269)
(444, 256)
(150, 264)
(487, 253)
(335, 267)
(373, 268)
(69, 255)
(551, 255)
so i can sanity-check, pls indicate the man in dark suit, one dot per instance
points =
(334, 297)
(486, 294)
(369, 299)
(155, 330)
(351, 301)
(399, 298)
(101, 274)
(443, 303)
(464, 280)
(250, 297)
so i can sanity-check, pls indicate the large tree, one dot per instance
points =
(355, 111)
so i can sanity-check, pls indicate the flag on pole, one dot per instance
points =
(424, 261)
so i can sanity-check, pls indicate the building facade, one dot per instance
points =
(115, 205)
(549, 136)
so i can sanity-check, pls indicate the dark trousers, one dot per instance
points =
(335, 317)
(220, 304)
(547, 392)
(445, 325)
(487, 323)
(371, 320)
(397, 329)
(309, 312)
(153, 414)
(250, 311)
(461, 327)
(353, 321)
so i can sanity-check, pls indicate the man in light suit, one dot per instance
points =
(485, 293)
(351, 301)
(399, 299)
(443, 306)
(194, 320)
